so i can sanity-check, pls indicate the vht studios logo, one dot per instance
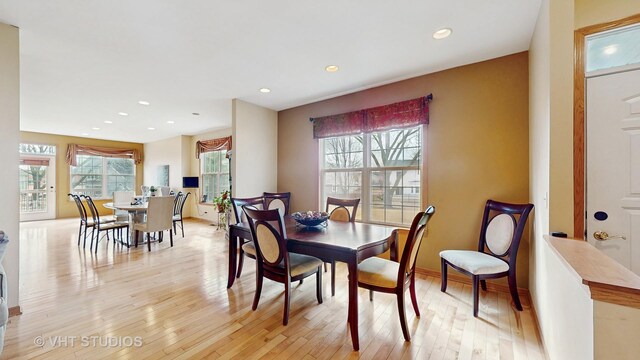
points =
(88, 341)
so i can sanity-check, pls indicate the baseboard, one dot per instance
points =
(15, 311)
(524, 293)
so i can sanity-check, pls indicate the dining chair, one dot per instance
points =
(178, 207)
(277, 201)
(159, 219)
(388, 276)
(274, 261)
(85, 223)
(165, 190)
(101, 225)
(500, 233)
(120, 198)
(340, 210)
(247, 248)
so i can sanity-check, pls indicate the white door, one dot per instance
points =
(613, 166)
(37, 187)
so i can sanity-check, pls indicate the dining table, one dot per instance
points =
(348, 242)
(136, 212)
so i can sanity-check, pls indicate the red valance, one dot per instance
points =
(392, 116)
(204, 146)
(73, 150)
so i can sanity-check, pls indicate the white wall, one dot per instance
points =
(255, 149)
(164, 152)
(10, 120)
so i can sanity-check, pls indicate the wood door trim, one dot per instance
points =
(578, 117)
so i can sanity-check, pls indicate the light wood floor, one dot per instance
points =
(176, 300)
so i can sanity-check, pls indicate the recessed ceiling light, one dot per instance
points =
(611, 49)
(108, 122)
(171, 122)
(196, 114)
(442, 33)
(151, 128)
(332, 68)
(95, 128)
(85, 134)
(123, 114)
(265, 90)
(145, 103)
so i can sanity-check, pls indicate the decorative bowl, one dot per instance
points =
(310, 218)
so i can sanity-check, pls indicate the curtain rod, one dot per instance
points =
(429, 99)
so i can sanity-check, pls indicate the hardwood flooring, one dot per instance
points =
(175, 302)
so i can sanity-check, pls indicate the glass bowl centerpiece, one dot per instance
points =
(310, 218)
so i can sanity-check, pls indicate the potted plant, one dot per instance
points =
(153, 190)
(223, 205)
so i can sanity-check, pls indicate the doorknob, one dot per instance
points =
(602, 236)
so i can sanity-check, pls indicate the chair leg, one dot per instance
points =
(79, 234)
(333, 278)
(170, 237)
(403, 316)
(443, 273)
(149, 241)
(412, 291)
(256, 297)
(287, 301)
(513, 288)
(181, 225)
(476, 280)
(136, 233)
(98, 241)
(319, 285)
(483, 285)
(325, 267)
(370, 295)
(84, 242)
(174, 228)
(240, 263)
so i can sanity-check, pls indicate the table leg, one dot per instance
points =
(352, 318)
(233, 257)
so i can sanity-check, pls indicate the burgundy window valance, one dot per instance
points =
(392, 116)
(204, 146)
(73, 150)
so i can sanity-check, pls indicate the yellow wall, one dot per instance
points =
(476, 148)
(591, 12)
(65, 208)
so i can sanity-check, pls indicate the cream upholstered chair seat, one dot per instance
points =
(159, 218)
(249, 248)
(475, 262)
(300, 264)
(378, 272)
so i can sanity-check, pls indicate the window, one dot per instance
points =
(99, 176)
(381, 168)
(214, 171)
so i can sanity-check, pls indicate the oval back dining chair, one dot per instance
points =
(502, 227)
(340, 210)
(277, 201)
(382, 275)
(274, 261)
(247, 248)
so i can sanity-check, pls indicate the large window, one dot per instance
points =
(214, 171)
(382, 169)
(99, 176)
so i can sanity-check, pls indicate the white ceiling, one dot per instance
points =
(83, 61)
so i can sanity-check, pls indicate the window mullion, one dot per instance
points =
(366, 171)
(104, 178)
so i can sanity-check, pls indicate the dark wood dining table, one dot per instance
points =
(337, 241)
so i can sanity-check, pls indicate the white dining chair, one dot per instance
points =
(122, 198)
(165, 190)
(159, 219)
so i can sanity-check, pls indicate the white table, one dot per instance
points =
(136, 213)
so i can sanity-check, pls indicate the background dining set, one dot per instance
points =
(131, 219)
(287, 252)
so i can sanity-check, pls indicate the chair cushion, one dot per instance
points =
(249, 248)
(300, 264)
(475, 262)
(378, 272)
(177, 217)
(114, 225)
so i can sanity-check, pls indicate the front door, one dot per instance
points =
(37, 187)
(613, 166)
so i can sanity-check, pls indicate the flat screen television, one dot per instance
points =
(190, 182)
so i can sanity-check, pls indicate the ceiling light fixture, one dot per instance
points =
(265, 90)
(151, 128)
(123, 114)
(332, 68)
(85, 134)
(145, 103)
(171, 122)
(108, 122)
(442, 33)
(95, 128)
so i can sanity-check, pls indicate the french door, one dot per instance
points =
(37, 187)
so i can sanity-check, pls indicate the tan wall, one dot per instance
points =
(65, 208)
(476, 148)
(591, 12)
(10, 120)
